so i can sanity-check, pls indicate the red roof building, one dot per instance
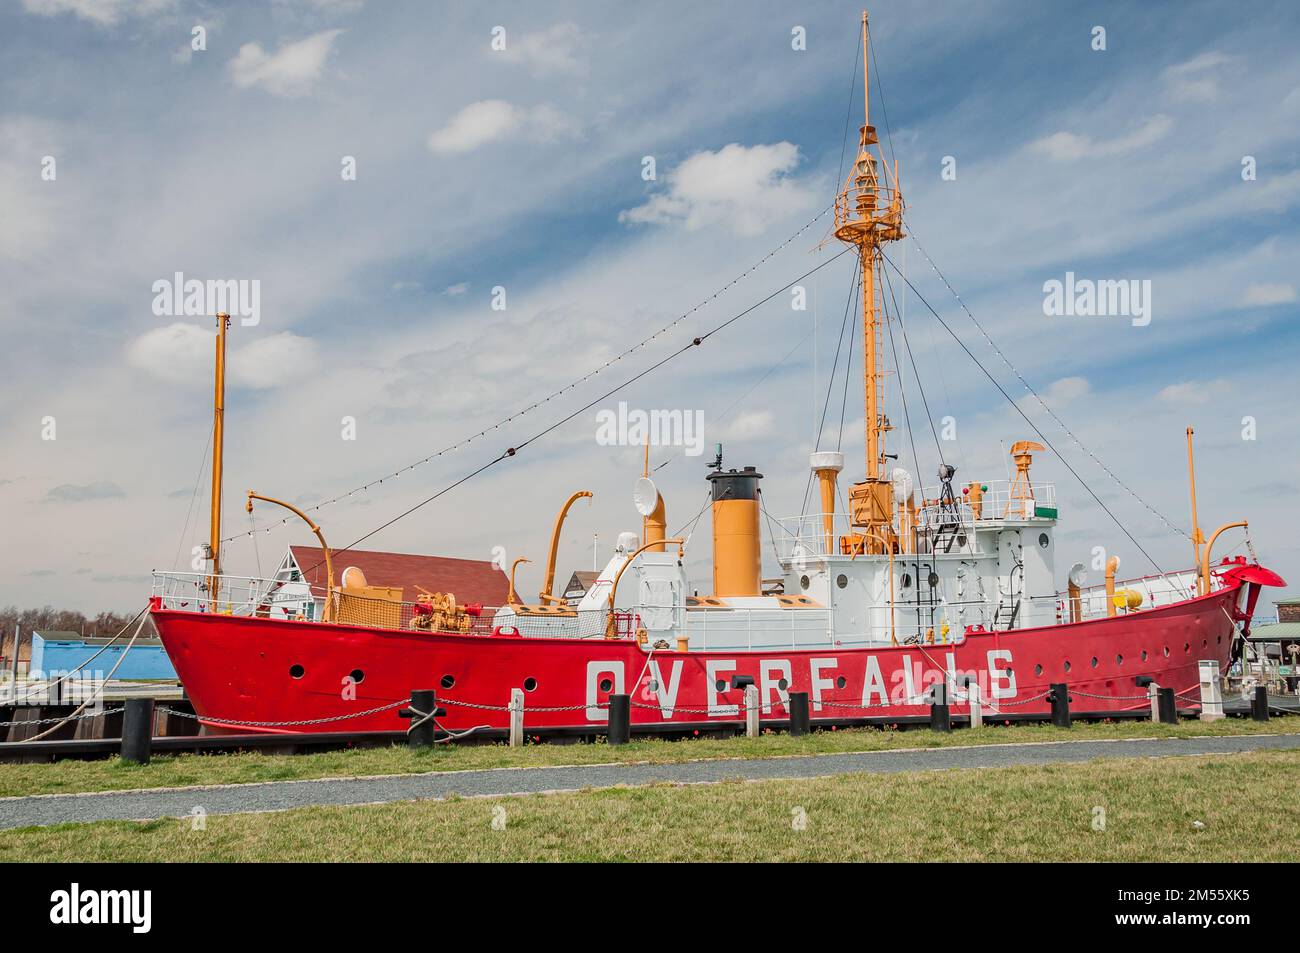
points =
(469, 580)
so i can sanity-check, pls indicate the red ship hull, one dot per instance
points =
(268, 670)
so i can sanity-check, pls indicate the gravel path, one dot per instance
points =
(46, 809)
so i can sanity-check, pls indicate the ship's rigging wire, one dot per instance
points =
(1021, 412)
(736, 403)
(189, 512)
(916, 374)
(848, 109)
(99, 690)
(1060, 423)
(567, 387)
(902, 394)
(844, 397)
(880, 91)
(512, 451)
(708, 498)
(849, 302)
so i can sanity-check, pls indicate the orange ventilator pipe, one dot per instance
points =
(1112, 565)
(328, 614)
(512, 597)
(549, 582)
(1205, 553)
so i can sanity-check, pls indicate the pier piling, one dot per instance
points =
(137, 730)
(799, 718)
(620, 719)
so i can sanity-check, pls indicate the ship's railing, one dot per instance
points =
(996, 503)
(1156, 591)
(727, 628)
(804, 537)
(228, 595)
(245, 596)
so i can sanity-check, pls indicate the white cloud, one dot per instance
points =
(750, 424)
(1058, 394)
(1264, 295)
(100, 12)
(1068, 146)
(1274, 193)
(182, 354)
(1195, 79)
(746, 187)
(291, 71)
(492, 119)
(1067, 389)
(548, 52)
(273, 361)
(456, 290)
(1194, 392)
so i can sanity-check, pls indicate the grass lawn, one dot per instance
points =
(189, 769)
(1238, 807)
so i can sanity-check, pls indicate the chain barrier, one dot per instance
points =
(1119, 698)
(702, 711)
(460, 704)
(284, 724)
(50, 721)
(991, 705)
(998, 704)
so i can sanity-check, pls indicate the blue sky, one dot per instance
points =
(522, 169)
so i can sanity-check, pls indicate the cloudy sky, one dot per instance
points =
(128, 155)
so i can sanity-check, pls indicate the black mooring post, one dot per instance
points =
(137, 730)
(1166, 706)
(1060, 699)
(424, 702)
(620, 719)
(1259, 704)
(799, 717)
(940, 715)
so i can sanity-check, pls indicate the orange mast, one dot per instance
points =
(218, 446)
(869, 214)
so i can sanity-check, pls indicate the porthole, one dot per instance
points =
(1219, 640)
(1187, 646)
(961, 539)
(1205, 643)
(1094, 661)
(1144, 655)
(841, 580)
(357, 676)
(803, 582)
(1067, 665)
(606, 685)
(1119, 660)
(1044, 540)
(783, 684)
(296, 671)
(530, 684)
(720, 685)
(906, 580)
(1166, 651)
(933, 579)
(1038, 670)
(841, 682)
(447, 681)
(654, 686)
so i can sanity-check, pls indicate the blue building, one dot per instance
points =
(69, 652)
